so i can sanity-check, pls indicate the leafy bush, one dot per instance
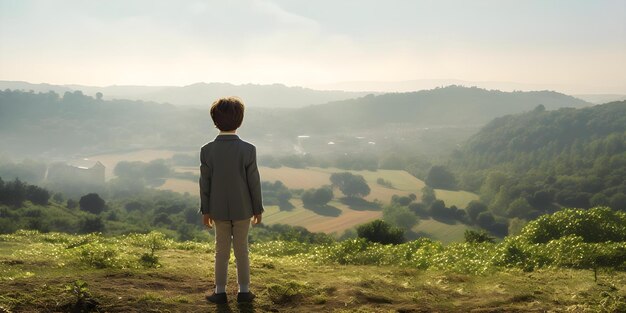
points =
(381, 232)
(599, 224)
(472, 236)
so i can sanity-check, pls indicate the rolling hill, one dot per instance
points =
(436, 108)
(54, 124)
(201, 94)
(535, 162)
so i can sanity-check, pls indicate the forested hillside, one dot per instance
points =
(433, 120)
(535, 162)
(53, 125)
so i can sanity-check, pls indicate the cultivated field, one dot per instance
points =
(446, 233)
(300, 216)
(458, 198)
(304, 178)
(339, 216)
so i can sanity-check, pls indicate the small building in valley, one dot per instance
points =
(81, 171)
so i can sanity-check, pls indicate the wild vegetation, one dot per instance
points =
(571, 260)
(534, 163)
(373, 212)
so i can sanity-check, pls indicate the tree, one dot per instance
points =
(381, 232)
(472, 236)
(37, 195)
(381, 181)
(91, 225)
(58, 197)
(485, 220)
(618, 202)
(474, 208)
(162, 219)
(519, 208)
(399, 216)
(99, 96)
(428, 195)
(440, 177)
(436, 207)
(599, 199)
(350, 185)
(92, 203)
(320, 196)
(593, 225)
(401, 200)
(541, 198)
(419, 209)
(14, 193)
(71, 204)
(185, 232)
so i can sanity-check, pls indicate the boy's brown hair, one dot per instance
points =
(227, 113)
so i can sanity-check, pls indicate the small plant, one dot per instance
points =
(98, 255)
(153, 241)
(149, 260)
(82, 299)
(78, 289)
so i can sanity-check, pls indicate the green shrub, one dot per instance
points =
(381, 232)
(599, 224)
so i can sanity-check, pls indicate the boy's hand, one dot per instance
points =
(207, 220)
(256, 219)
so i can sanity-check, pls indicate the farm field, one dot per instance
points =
(458, 198)
(304, 178)
(300, 216)
(340, 217)
(403, 184)
(446, 233)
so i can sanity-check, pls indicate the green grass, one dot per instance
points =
(446, 233)
(300, 216)
(458, 198)
(284, 283)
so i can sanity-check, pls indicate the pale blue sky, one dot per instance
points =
(575, 45)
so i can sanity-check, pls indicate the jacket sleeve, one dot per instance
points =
(254, 184)
(205, 183)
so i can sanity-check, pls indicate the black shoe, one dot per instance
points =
(245, 297)
(218, 298)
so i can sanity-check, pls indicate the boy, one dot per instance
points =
(230, 194)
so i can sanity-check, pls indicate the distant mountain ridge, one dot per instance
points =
(34, 123)
(201, 94)
(447, 106)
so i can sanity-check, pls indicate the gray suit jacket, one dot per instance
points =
(230, 185)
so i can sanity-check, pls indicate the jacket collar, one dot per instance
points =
(226, 137)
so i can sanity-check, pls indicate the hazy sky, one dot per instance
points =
(559, 44)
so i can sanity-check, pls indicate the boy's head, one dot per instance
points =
(227, 113)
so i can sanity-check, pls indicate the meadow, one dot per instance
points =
(151, 273)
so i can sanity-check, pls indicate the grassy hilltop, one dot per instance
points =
(547, 268)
